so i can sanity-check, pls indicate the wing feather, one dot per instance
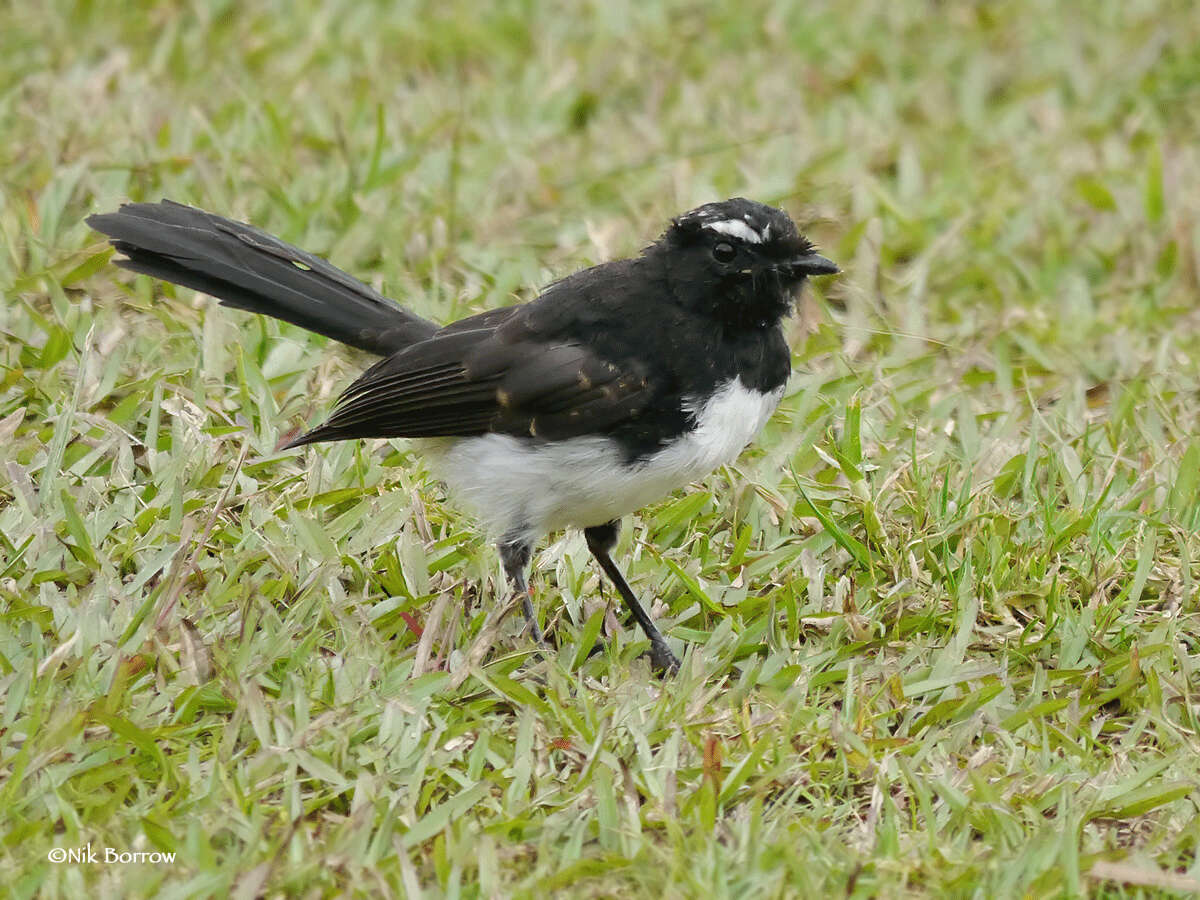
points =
(487, 374)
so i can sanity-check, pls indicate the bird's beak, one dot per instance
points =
(812, 264)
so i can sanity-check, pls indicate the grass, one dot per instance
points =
(941, 620)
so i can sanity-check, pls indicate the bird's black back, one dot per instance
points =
(609, 350)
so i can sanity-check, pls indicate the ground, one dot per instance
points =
(940, 621)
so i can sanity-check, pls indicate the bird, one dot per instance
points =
(614, 387)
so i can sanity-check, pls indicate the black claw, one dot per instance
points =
(662, 660)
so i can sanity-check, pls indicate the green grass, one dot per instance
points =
(942, 620)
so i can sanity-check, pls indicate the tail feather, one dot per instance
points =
(249, 269)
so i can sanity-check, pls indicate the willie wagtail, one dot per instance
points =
(616, 386)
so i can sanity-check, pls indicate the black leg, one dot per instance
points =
(515, 555)
(600, 540)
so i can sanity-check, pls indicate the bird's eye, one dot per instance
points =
(724, 252)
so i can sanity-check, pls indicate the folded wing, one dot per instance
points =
(489, 373)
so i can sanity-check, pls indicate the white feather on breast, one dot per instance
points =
(519, 485)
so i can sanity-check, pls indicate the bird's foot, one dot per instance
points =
(662, 660)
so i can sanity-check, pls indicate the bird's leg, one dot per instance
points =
(515, 554)
(600, 540)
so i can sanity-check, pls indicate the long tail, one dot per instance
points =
(249, 269)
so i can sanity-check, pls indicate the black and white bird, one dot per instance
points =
(616, 386)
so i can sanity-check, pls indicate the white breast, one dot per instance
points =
(517, 485)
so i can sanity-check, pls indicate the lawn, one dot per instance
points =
(941, 621)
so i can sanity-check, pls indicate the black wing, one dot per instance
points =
(490, 373)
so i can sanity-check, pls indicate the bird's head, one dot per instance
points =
(739, 260)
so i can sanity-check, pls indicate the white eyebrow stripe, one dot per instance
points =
(735, 228)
